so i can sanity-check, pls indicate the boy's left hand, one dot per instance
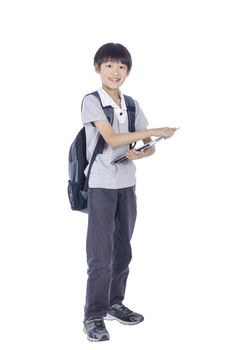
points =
(133, 154)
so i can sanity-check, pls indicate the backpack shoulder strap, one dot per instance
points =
(130, 105)
(131, 111)
(109, 113)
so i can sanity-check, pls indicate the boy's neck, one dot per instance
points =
(114, 94)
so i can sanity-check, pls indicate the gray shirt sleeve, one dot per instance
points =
(92, 110)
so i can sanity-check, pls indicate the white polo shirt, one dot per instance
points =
(103, 173)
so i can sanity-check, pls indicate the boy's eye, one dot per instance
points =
(122, 67)
(109, 65)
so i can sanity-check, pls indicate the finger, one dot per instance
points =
(138, 155)
(129, 155)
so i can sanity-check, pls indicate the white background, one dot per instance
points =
(181, 270)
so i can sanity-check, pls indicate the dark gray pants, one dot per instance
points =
(112, 215)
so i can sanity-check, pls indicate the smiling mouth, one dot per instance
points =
(115, 80)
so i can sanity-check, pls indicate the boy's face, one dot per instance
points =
(112, 74)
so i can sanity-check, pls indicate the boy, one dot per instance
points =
(111, 197)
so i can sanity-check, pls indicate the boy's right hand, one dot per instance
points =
(167, 132)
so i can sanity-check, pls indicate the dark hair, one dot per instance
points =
(114, 52)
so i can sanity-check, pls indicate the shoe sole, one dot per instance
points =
(113, 318)
(104, 338)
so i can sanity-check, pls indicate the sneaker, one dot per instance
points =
(96, 330)
(123, 315)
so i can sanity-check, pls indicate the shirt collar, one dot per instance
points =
(107, 100)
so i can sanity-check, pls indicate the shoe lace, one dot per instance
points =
(99, 324)
(123, 308)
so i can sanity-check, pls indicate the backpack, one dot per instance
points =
(77, 161)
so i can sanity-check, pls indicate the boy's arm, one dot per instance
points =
(120, 139)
